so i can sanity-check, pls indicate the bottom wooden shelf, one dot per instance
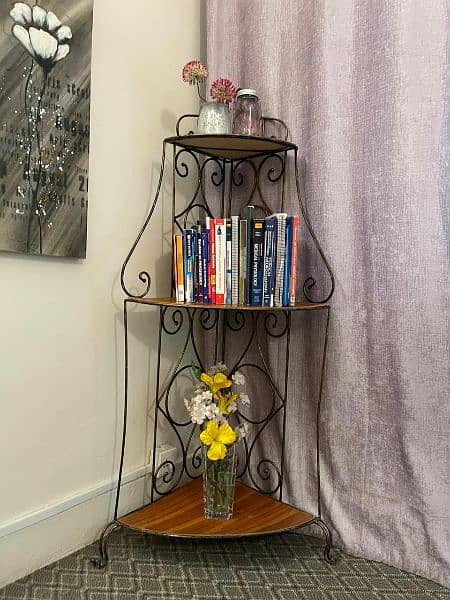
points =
(181, 514)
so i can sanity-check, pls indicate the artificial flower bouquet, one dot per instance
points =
(213, 404)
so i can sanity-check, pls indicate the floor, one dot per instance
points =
(279, 567)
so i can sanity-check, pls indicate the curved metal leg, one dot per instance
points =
(327, 535)
(101, 562)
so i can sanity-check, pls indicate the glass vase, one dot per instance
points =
(214, 117)
(219, 477)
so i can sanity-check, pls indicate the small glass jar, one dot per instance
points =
(247, 113)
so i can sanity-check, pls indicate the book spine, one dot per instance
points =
(212, 262)
(229, 277)
(269, 261)
(234, 260)
(199, 264)
(221, 257)
(194, 265)
(242, 258)
(180, 267)
(257, 262)
(287, 262)
(188, 274)
(248, 278)
(205, 263)
(293, 283)
(174, 267)
(279, 258)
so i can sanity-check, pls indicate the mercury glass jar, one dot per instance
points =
(214, 118)
(247, 113)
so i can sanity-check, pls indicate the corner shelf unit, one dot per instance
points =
(235, 333)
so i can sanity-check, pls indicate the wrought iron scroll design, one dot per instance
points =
(190, 324)
(144, 276)
(265, 473)
(310, 282)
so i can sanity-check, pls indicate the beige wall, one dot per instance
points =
(61, 343)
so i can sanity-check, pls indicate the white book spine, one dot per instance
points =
(279, 263)
(221, 260)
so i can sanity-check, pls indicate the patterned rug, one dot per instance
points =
(279, 567)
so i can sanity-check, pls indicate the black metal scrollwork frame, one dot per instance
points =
(228, 176)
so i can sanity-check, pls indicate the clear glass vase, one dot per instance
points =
(214, 117)
(219, 477)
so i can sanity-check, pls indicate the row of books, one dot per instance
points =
(246, 261)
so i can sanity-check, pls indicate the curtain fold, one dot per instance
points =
(364, 88)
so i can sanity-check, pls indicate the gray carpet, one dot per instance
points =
(279, 567)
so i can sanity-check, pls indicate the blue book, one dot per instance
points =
(270, 254)
(287, 261)
(194, 265)
(204, 266)
(256, 281)
(188, 265)
(199, 264)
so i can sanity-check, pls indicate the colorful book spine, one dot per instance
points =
(188, 265)
(199, 264)
(229, 262)
(279, 260)
(293, 278)
(235, 260)
(212, 262)
(205, 265)
(256, 288)
(287, 262)
(248, 278)
(242, 259)
(270, 237)
(180, 267)
(194, 265)
(220, 238)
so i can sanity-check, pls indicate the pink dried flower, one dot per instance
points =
(223, 90)
(194, 72)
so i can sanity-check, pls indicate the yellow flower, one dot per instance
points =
(217, 437)
(224, 403)
(217, 382)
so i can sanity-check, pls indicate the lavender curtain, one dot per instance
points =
(364, 87)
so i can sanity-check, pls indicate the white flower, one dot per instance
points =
(238, 378)
(241, 430)
(244, 398)
(232, 407)
(41, 33)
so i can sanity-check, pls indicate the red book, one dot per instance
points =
(293, 278)
(212, 261)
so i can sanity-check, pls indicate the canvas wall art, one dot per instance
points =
(45, 63)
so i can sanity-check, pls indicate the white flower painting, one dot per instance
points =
(44, 108)
(41, 33)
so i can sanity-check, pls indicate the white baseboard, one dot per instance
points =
(66, 526)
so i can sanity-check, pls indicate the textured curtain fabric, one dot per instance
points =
(364, 87)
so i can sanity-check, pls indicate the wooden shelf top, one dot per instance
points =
(181, 515)
(174, 303)
(231, 146)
